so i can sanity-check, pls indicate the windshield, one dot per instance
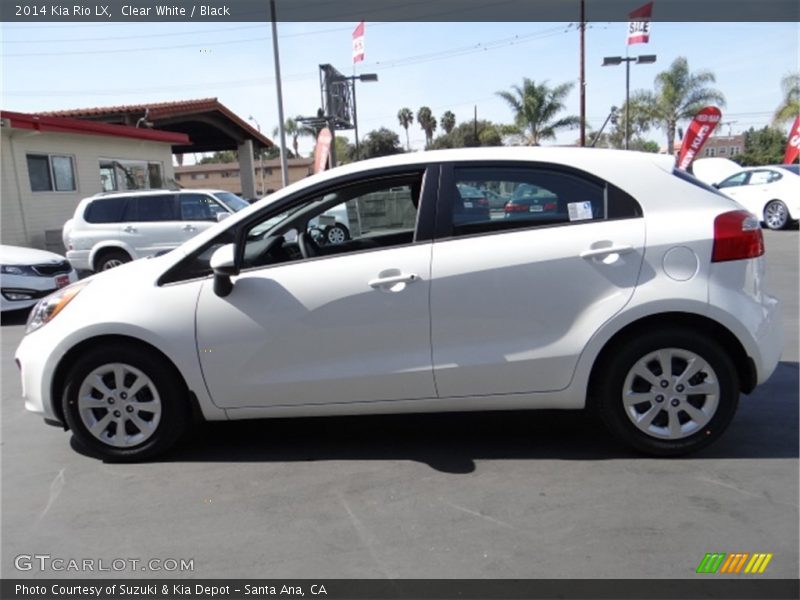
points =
(232, 201)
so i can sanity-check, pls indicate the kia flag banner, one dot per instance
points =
(698, 133)
(793, 146)
(639, 24)
(322, 150)
(358, 43)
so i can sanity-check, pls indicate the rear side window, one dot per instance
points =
(106, 210)
(156, 208)
(488, 199)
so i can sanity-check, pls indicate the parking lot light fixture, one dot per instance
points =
(611, 61)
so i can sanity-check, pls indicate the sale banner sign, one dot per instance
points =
(699, 131)
(793, 146)
(639, 24)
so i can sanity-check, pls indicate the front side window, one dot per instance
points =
(51, 173)
(496, 198)
(734, 180)
(367, 216)
(199, 207)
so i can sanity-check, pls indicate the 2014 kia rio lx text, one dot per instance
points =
(630, 288)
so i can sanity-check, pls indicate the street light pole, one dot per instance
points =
(281, 123)
(643, 59)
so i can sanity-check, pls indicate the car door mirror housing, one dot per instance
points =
(222, 216)
(223, 264)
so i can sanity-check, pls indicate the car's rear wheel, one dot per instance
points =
(124, 404)
(336, 234)
(776, 215)
(110, 259)
(669, 392)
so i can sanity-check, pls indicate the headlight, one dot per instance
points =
(49, 306)
(16, 270)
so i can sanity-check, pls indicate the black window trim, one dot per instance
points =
(443, 230)
(423, 229)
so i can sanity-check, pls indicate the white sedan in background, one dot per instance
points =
(641, 295)
(28, 275)
(771, 193)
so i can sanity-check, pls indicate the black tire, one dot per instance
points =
(613, 375)
(336, 234)
(776, 215)
(175, 409)
(108, 259)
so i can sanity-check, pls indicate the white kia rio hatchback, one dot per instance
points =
(630, 288)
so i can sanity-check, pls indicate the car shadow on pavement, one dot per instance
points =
(765, 427)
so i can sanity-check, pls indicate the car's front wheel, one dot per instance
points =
(776, 215)
(668, 393)
(124, 404)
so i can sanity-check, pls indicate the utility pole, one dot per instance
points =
(583, 73)
(281, 122)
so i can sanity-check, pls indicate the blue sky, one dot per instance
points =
(454, 66)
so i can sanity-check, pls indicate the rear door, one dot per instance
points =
(515, 297)
(152, 224)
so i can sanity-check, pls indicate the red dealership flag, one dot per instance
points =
(639, 24)
(793, 146)
(698, 133)
(358, 43)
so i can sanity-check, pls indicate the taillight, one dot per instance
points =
(737, 235)
(550, 206)
(482, 201)
(511, 207)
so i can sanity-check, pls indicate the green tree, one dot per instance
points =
(427, 122)
(535, 107)
(345, 151)
(380, 142)
(790, 105)
(679, 95)
(221, 156)
(762, 147)
(295, 130)
(406, 119)
(448, 121)
(463, 136)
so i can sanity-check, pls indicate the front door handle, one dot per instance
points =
(189, 228)
(605, 251)
(393, 280)
(129, 229)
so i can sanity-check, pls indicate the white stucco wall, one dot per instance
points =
(26, 215)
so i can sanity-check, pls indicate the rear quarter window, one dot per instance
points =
(106, 210)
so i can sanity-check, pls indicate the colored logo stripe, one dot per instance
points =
(758, 564)
(711, 562)
(734, 563)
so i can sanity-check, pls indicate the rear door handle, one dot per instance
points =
(129, 229)
(605, 251)
(394, 279)
(189, 228)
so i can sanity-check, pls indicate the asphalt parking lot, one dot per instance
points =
(509, 495)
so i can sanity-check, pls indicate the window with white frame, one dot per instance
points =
(118, 174)
(51, 172)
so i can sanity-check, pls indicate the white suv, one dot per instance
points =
(114, 228)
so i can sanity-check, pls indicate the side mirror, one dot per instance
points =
(715, 185)
(222, 216)
(223, 264)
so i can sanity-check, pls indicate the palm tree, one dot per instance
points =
(535, 108)
(790, 105)
(448, 121)
(427, 121)
(406, 118)
(679, 95)
(295, 129)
